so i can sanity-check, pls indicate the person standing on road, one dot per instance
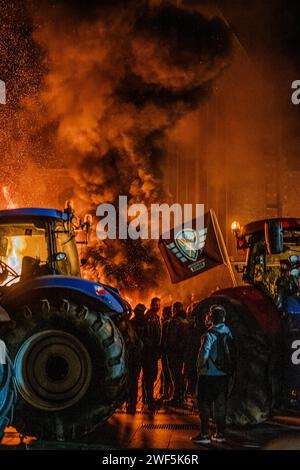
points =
(165, 378)
(139, 325)
(194, 336)
(215, 365)
(177, 339)
(151, 351)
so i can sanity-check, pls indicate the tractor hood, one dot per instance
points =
(259, 304)
(105, 295)
(28, 212)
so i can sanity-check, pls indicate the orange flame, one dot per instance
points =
(14, 258)
(13, 438)
(9, 202)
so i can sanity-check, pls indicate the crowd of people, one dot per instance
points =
(193, 365)
(162, 337)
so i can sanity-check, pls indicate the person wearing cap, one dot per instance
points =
(139, 327)
(212, 386)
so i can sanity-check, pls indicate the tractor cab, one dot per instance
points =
(273, 256)
(36, 242)
(64, 334)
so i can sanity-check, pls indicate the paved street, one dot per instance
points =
(170, 429)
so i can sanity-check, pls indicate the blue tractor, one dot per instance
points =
(65, 335)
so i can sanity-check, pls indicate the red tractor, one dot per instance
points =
(264, 315)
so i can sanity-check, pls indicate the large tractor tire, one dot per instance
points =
(70, 368)
(255, 386)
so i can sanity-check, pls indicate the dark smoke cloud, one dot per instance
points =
(119, 76)
(173, 56)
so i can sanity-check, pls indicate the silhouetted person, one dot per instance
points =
(139, 325)
(212, 379)
(165, 378)
(151, 351)
(176, 346)
(191, 354)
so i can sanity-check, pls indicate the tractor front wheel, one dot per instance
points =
(70, 368)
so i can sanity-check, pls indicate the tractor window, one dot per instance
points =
(265, 269)
(23, 251)
(291, 245)
(66, 243)
(256, 260)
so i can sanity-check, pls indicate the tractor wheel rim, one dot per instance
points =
(53, 370)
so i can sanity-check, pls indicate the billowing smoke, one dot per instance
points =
(117, 77)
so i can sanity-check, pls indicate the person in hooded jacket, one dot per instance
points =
(212, 386)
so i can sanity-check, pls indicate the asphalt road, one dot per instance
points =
(169, 428)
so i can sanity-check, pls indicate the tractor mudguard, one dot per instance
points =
(259, 305)
(93, 293)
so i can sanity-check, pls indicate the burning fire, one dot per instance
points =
(9, 202)
(14, 259)
(13, 438)
(114, 134)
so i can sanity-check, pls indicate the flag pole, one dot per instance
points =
(222, 246)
